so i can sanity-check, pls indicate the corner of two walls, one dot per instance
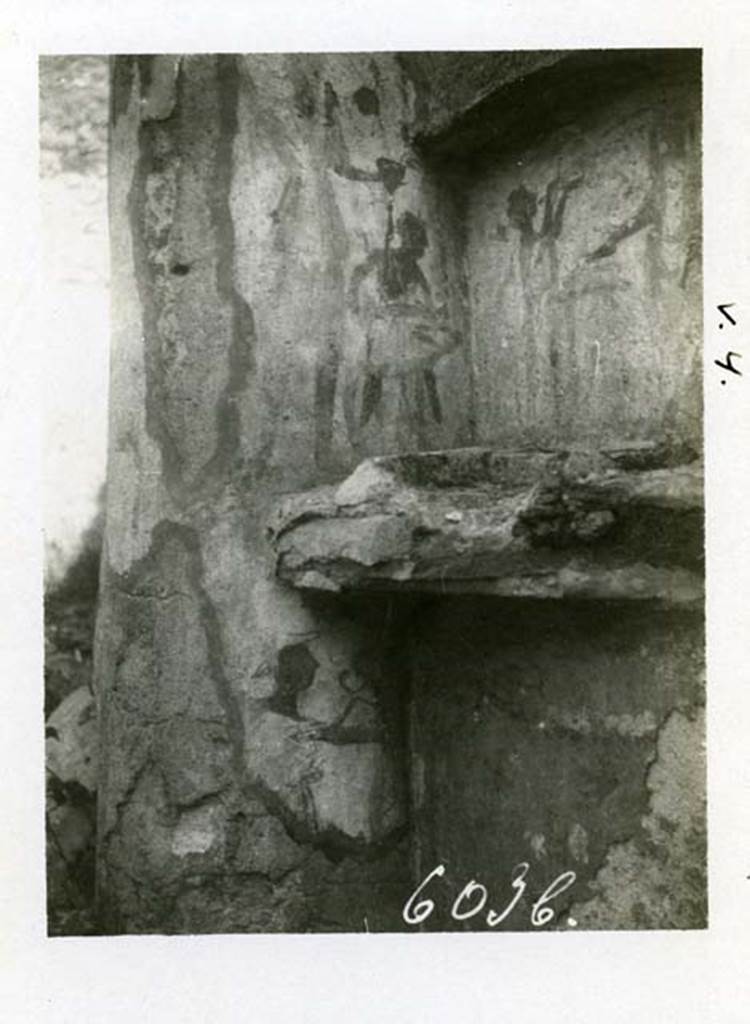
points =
(289, 297)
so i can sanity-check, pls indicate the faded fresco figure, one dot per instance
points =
(544, 303)
(403, 333)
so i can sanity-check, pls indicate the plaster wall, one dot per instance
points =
(289, 296)
(284, 302)
(583, 258)
(569, 738)
(539, 733)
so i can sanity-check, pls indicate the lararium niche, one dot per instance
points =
(402, 624)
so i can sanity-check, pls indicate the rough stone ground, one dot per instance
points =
(70, 741)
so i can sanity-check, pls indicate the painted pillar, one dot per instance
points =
(284, 303)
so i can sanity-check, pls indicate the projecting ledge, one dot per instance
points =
(622, 523)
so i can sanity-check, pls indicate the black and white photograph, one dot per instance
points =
(399, 606)
(389, 486)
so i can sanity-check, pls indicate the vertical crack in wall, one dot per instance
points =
(190, 541)
(151, 206)
(142, 581)
(657, 878)
(157, 145)
(241, 360)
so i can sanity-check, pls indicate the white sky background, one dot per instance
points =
(607, 978)
(75, 262)
(74, 310)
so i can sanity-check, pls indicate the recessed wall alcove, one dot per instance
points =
(541, 661)
(539, 591)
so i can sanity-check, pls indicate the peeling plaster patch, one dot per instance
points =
(361, 714)
(195, 759)
(538, 845)
(351, 791)
(659, 880)
(336, 651)
(197, 831)
(266, 848)
(585, 792)
(316, 581)
(258, 619)
(335, 687)
(278, 614)
(160, 188)
(578, 843)
(279, 754)
(133, 508)
(634, 726)
(160, 94)
(677, 777)
(367, 101)
(368, 482)
(580, 720)
(349, 787)
(295, 673)
(572, 720)
(261, 682)
(324, 701)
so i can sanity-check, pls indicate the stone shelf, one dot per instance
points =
(623, 523)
